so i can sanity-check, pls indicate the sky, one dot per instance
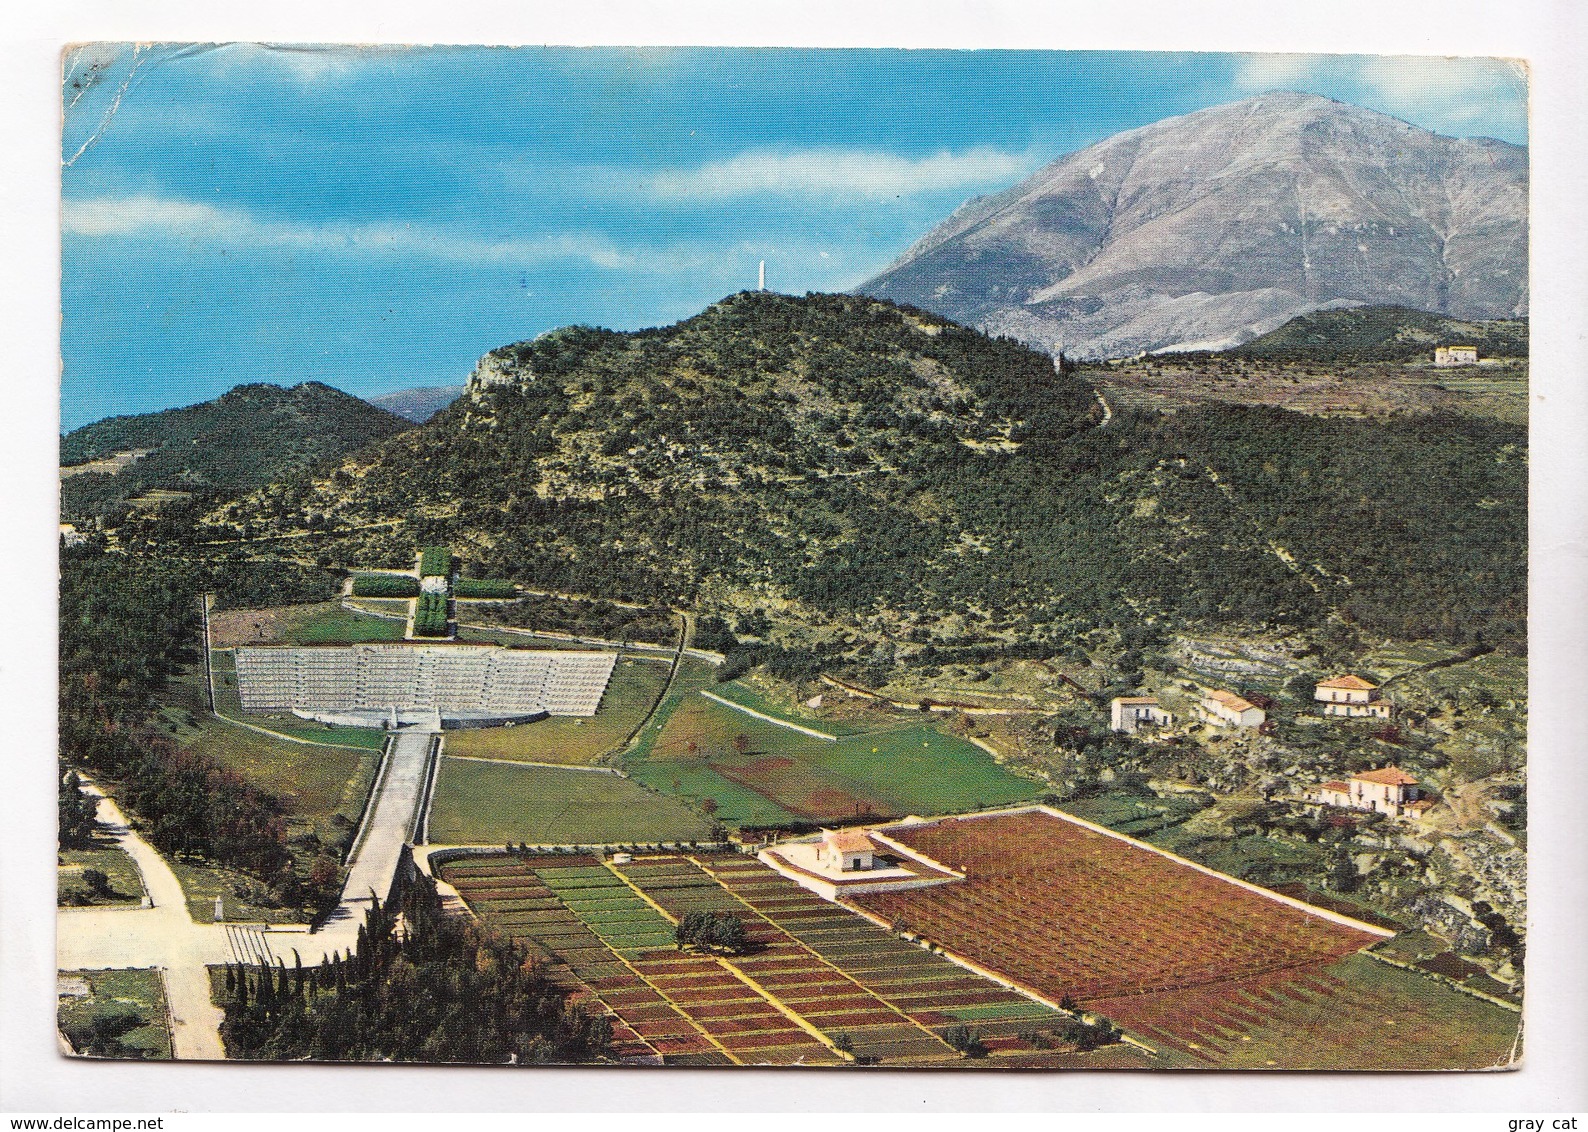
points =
(377, 219)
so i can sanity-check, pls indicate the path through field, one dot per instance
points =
(163, 937)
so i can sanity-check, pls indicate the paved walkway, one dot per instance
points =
(375, 862)
(163, 936)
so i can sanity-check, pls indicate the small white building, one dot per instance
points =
(847, 850)
(1455, 355)
(1351, 697)
(1126, 713)
(1387, 790)
(1226, 709)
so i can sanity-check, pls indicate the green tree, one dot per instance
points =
(76, 811)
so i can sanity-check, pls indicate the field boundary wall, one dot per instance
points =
(761, 715)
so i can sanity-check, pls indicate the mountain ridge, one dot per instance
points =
(250, 435)
(1208, 229)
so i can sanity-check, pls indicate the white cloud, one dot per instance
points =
(1448, 94)
(833, 173)
(153, 217)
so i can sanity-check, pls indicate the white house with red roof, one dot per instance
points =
(1387, 790)
(1351, 697)
(846, 850)
(1226, 709)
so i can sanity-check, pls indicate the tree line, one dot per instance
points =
(437, 989)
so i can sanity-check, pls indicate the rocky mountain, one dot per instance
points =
(417, 405)
(1207, 230)
(248, 436)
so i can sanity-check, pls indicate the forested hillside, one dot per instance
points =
(1384, 334)
(879, 480)
(243, 439)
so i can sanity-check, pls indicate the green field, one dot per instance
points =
(741, 693)
(118, 868)
(762, 773)
(395, 606)
(338, 626)
(124, 1009)
(479, 803)
(313, 781)
(634, 687)
(1134, 814)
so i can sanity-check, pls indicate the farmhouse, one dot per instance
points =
(1126, 713)
(1226, 709)
(847, 850)
(1387, 790)
(1455, 355)
(1352, 697)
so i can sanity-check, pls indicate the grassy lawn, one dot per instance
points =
(313, 781)
(123, 1016)
(696, 781)
(245, 897)
(396, 606)
(71, 891)
(634, 687)
(332, 624)
(741, 693)
(711, 750)
(490, 803)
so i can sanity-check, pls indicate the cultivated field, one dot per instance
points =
(816, 983)
(760, 773)
(1195, 965)
(483, 803)
(633, 689)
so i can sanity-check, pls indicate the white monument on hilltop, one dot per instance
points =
(762, 285)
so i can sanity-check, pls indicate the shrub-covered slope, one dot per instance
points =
(857, 468)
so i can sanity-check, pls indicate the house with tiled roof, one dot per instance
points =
(1226, 709)
(1351, 697)
(846, 850)
(1387, 790)
(1126, 713)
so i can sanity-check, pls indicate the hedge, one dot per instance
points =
(484, 587)
(385, 585)
(435, 560)
(430, 616)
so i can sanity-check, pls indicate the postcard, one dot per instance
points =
(826, 559)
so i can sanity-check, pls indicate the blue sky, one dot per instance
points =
(378, 219)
